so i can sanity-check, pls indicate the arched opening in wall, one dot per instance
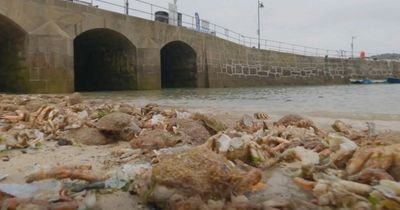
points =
(178, 66)
(105, 60)
(13, 72)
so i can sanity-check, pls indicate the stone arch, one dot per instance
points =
(178, 66)
(14, 76)
(104, 60)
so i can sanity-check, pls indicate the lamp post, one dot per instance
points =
(127, 7)
(260, 5)
(352, 46)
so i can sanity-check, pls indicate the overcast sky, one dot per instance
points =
(317, 23)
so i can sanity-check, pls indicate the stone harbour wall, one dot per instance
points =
(232, 65)
(49, 34)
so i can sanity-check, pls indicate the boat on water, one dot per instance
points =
(392, 80)
(367, 81)
(360, 81)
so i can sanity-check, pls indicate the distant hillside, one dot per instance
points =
(389, 56)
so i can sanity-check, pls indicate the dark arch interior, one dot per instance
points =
(178, 66)
(105, 60)
(13, 74)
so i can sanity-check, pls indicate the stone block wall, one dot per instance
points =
(233, 65)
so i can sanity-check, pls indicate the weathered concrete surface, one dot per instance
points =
(46, 46)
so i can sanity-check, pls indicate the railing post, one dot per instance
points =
(215, 29)
(151, 11)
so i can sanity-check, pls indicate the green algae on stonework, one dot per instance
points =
(256, 160)
(102, 113)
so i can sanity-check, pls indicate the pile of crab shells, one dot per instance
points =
(28, 121)
(340, 168)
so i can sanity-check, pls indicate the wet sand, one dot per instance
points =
(21, 163)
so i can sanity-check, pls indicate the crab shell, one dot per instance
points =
(115, 122)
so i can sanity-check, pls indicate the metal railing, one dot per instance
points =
(146, 10)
